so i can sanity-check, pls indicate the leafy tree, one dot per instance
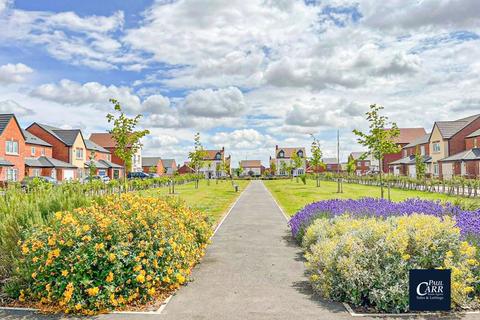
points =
(379, 140)
(297, 163)
(273, 168)
(316, 158)
(351, 166)
(283, 166)
(127, 139)
(197, 157)
(152, 169)
(420, 166)
(240, 169)
(92, 168)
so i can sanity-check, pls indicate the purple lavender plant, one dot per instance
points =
(467, 221)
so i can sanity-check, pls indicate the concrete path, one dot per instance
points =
(252, 270)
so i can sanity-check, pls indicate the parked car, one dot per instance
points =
(28, 180)
(137, 175)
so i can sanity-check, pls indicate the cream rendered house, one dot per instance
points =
(283, 157)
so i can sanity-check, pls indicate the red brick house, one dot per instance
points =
(39, 161)
(106, 141)
(365, 166)
(407, 135)
(185, 168)
(68, 146)
(472, 140)
(406, 166)
(102, 161)
(331, 164)
(12, 149)
(251, 168)
(153, 165)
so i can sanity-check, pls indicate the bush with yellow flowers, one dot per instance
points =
(110, 255)
(365, 261)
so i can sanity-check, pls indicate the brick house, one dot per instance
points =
(407, 135)
(102, 161)
(331, 164)
(68, 145)
(12, 149)
(105, 140)
(212, 162)
(472, 140)
(153, 165)
(39, 160)
(465, 164)
(283, 157)
(449, 138)
(406, 166)
(364, 166)
(170, 166)
(251, 168)
(185, 168)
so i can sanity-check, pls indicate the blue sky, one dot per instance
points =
(247, 75)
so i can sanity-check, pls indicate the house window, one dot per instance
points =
(102, 172)
(300, 153)
(109, 157)
(218, 156)
(36, 172)
(79, 153)
(11, 147)
(12, 174)
(299, 171)
(359, 163)
(33, 151)
(281, 154)
(475, 143)
(282, 172)
(42, 152)
(422, 150)
(435, 169)
(436, 147)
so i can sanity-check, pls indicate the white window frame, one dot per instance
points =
(436, 147)
(12, 174)
(435, 169)
(42, 151)
(77, 155)
(10, 146)
(32, 151)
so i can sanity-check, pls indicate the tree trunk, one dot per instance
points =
(381, 181)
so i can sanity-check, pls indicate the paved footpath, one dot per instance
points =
(252, 270)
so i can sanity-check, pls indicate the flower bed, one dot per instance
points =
(360, 251)
(467, 221)
(110, 255)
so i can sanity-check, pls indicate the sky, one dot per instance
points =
(246, 74)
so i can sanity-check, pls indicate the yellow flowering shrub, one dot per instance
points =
(365, 261)
(110, 255)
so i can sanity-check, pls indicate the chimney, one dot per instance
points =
(223, 148)
(276, 147)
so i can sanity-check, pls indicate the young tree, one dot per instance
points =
(283, 166)
(273, 168)
(316, 158)
(297, 163)
(152, 169)
(127, 139)
(197, 157)
(420, 166)
(379, 140)
(240, 169)
(92, 168)
(351, 166)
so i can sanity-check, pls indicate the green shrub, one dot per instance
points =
(105, 256)
(365, 261)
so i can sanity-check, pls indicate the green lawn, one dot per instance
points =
(293, 196)
(214, 199)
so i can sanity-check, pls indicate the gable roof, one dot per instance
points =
(357, 155)
(408, 135)
(5, 120)
(422, 140)
(474, 134)
(450, 128)
(250, 163)
(67, 136)
(289, 151)
(32, 139)
(168, 163)
(150, 161)
(104, 139)
(210, 154)
(468, 155)
(95, 147)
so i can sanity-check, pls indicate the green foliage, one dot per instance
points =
(92, 169)
(152, 169)
(106, 256)
(365, 261)
(351, 166)
(420, 165)
(316, 158)
(127, 139)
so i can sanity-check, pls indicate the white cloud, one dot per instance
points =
(11, 106)
(208, 103)
(14, 73)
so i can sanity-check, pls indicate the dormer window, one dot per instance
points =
(218, 156)
(300, 153)
(281, 154)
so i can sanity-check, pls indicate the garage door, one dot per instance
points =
(68, 175)
(447, 170)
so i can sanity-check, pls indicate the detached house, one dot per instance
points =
(102, 159)
(331, 164)
(153, 165)
(12, 149)
(251, 168)
(68, 146)
(449, 139)
(407, 135)
(283, 158)
(213, 161)
(185, 168)
(407, 165)
(106, 141)
(368, 165)
(170, 166)
(39, 159)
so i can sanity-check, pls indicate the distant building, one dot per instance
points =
(283, 157)
(251, 168)
(368, 165)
